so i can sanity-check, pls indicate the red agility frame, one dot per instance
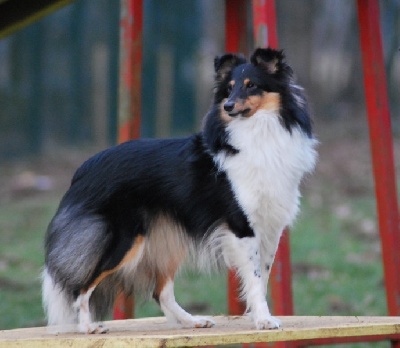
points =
(265, 34)
(129, 104)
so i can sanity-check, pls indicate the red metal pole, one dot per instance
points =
(129, 111)
(235, 306)
(235, 41)
(281, 279)
(266, 35)
(123, 307)
(130, 69)
(264, 24)
(235, 26)
(381, 148)
(281, 286)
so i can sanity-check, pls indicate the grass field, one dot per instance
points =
(336, 255)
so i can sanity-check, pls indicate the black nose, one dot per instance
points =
(228, 106)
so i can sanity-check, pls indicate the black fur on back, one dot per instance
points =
(123, 189)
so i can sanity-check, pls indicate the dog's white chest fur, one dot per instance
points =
(266, 173)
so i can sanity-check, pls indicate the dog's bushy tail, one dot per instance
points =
(75, 243)
(59, 306)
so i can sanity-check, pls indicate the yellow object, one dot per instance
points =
(155, 332)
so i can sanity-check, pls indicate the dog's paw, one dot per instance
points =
(266, 323)
(203, 322)
(93, 328)
(198, 322)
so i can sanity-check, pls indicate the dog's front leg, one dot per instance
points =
(268, 252)
(244, 255)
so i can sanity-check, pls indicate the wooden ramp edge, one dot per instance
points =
(155, 332)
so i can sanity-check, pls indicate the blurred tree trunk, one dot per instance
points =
(34, 122)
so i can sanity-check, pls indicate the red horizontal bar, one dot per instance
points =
(341, 340)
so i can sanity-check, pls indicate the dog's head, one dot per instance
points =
(244, 88)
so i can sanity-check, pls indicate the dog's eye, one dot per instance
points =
(229, 88)
(250, 85)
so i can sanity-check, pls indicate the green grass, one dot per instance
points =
(22, 226)
(336, 265)
(341, 272)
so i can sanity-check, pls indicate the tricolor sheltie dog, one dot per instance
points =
(136, 211)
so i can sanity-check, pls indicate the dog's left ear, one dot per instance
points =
(223, 65)
(272, 61)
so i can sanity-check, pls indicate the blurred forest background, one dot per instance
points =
(58, 105)
(58, 77)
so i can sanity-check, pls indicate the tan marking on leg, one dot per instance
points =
(85, 319)
(161, 280)
(129, 256)
(166, 275)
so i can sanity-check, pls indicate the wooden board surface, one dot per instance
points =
(155, 332)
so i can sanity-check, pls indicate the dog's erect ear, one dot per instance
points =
(224, 64)
(272, 61)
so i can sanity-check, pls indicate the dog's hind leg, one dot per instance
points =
(164, 295)
(131, 258)
(86, 325)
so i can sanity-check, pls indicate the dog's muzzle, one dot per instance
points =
(233, 111)
(229, 106)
